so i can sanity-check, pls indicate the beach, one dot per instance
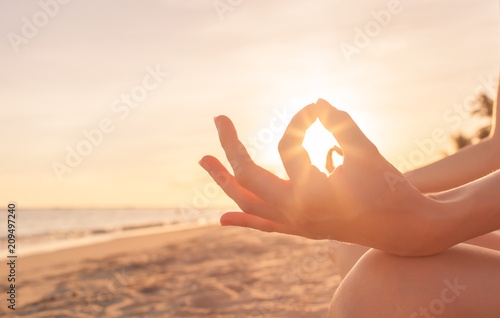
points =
(208, 271)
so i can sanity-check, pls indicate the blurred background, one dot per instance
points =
(108, 106)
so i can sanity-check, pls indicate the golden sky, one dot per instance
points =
(91, 76)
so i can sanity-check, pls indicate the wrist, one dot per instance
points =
(441, 216)
(417, 232)
(430, 221)
(463, 213)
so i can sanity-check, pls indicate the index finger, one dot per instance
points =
(293, 155)
(344, 129)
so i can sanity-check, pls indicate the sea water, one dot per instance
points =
(42, 230)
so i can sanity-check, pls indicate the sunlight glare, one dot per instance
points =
(317, 142)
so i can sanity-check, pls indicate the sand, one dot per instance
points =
(204, 272)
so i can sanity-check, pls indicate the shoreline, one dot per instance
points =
(108, 248)
(53, 245)
(47, 230)
(208, 270)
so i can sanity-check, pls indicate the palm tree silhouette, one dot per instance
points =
(483, 108)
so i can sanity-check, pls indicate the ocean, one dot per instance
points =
(44, 230)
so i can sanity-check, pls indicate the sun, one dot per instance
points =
(317, 143)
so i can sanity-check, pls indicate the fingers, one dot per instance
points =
(342, 126)
(247, 220)
(254, 178)
(293, 155)
(254, 222)
(235, 150)
(246, 200)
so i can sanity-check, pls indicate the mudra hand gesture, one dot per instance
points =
(365, 200)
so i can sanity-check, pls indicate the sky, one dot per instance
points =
(110, 104)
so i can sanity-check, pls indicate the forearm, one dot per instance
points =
(464, 213)
(468, 164)
(490, 240)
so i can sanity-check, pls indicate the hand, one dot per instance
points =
(365, 200)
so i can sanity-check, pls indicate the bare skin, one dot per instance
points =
(473, 162)
(345, 256)
(475, 263)
(417, 266)
(463, 281)
(357, 203)
(440, 176)
(364, 201)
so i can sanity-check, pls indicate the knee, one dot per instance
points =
(451, 284)
(345, 256)
(377, 286)
(360, 289)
